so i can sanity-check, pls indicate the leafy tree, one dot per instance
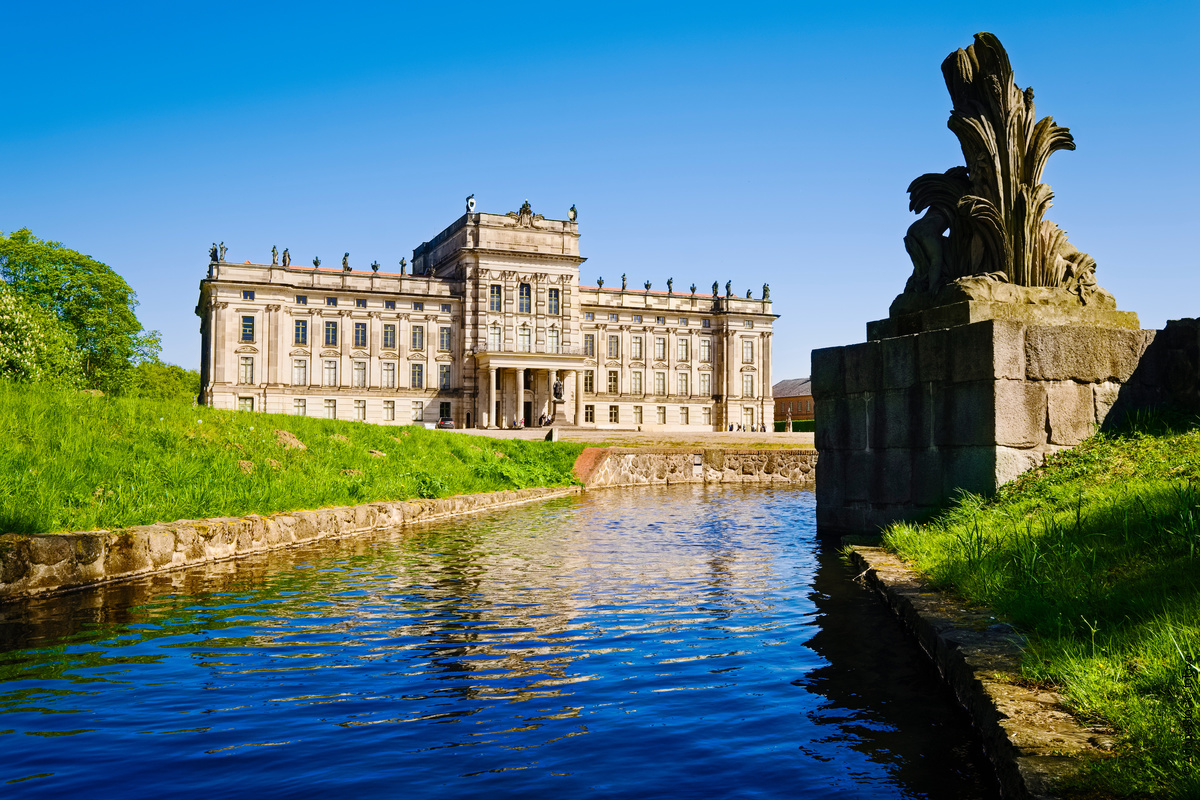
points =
(91, 300)
(34, 346)
(159, 381)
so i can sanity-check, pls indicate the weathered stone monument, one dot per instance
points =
(1001, 348)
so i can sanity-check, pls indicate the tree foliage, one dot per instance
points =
(34, 346)
(157, 381)
(93, 302)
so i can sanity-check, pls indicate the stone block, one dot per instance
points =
(899, 356)
(830, 478)
(921, 402)
(990, 349)
(1086, 354)
(963, 414)
(969, 469)
(894, 418)
(862, 368)
(933, 356)
(1020, 414)
(828, 373)
(1011, 462)
(857, 475)
(1104, 397)
(49, 550)
(1071, 411)
(927, 482)
(893, 477)
(858, 422)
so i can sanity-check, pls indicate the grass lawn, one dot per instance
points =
(70, 462)
(1096, 558)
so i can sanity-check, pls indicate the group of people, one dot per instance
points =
(761, 428)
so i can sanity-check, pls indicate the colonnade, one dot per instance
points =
(526, 393)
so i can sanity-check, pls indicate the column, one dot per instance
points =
(578, 397)
(491, 400)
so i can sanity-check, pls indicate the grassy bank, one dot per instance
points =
(1096, 557)
(70, 461)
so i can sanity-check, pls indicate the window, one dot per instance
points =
(360, 302)
(245, 404)
(613, 385)
(660, 415)
(749, 323)
(445, 308)
(589, 413)
(660, 320)
(706, 415)
(248, 329)
(589, 344)
(301, 332)
(683, 346)
(747, 351)
(330, 373)
(418, 376)
(524, 339)
(635, 382)
(660, 348)
(389, 337)
(748, 384)
(635, 348)
(706, 384)
(637, 317)
(706, 323)
(614, 317)
(247, 294)
(683, 415)
(524, 299)
(706, 348)
(683, 322)
(552, 302)
(494, 338)
(681, 384)
(300, 407)
(588, 316)
(418, 337)
(246, 369)
(614, 346)
(495, 298)
(748, 416)
(360, 374)
(389, 410)
(589, 381)
(389, 305)
(443, 376)
(331, 301)
(360, 334)
(552, 340)
(660, 383)
(389, 376)
(331, 409)
(418, 410)
(301, 299)
(360, 410)
(331, 333)
(443, 338)
(300, 372)
(418, 306)
(614, 413)
(637, 415)
(443, 410)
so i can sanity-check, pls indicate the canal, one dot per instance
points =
(677, 642)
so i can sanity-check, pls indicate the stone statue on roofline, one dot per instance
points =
(982, 236)
(624, 282)
(212, 253)
(716, 289)
(223, 251)
(274, 256)
(287, 258)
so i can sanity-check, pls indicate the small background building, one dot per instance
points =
(794, 396)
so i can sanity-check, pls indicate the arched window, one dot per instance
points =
(525, 299)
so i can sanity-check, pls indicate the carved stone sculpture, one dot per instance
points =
(374, 266)
(624, 282)
(766, 292)
(558, 390)
(670, 285)
(748, 291)
(716, 289)
(983, 236)
(470, 204)
(212, 253)
(346, 262)
(572, 214)
(600, 283)
(729, 288)
(648, 285)
(287, 258)
(317, 261)
(274, 256)
(403, 266)
(223, 251)
(525, 215)
(693, 290)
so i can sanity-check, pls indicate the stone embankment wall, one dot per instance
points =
(618, 466)
(39, 564)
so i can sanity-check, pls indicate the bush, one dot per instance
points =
(34, 346)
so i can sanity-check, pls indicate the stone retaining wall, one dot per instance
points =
(45, 563)
(618, 466)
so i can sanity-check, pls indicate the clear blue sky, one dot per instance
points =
(746, 141)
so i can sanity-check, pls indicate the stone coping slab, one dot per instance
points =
(598, 467)
(41, 564)
(1030, 738)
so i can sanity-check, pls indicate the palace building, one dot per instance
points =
(491, 328)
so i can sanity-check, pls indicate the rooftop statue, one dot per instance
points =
(599, 283)
(693, 290)
(670, 285)
(729, 288)
(287, 258)
(716, 289)
(317, 261)
(223, 251)
(624, 282)
(983, 236)
(374, 266)
(212, 253)
(648, 285)
(274, 255)
(572, 214)
(403, 265)
(346, 263)
(767, 292)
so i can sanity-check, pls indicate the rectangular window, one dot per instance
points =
(683, 415)
(360, 374)
(418, 337)
(331, 333)
(637, 317)
(300, 407)
(495, 298)
(660, 348)
(360, 302)
(635, 382)
(443, 376)
(706, 384)
(524, 299)
(749, 323)
(589, 344)
(245, 404)
(613, 384)
(389, 410)
(418, 376)
(660, 320)
(389, 305)
(301, 299)
(747, 351)
(637, 415)
(614, 317)
(389, 337)
(589, 413)
(660, 383)
(331, 301)
(300, 332)
(494, 338)
(418, 410)
(418, 306)
(443, 410)
(331, 409)
(681, 384)
(660, 414)
(614, 346)
(246, 369)
(248, 329)
(300, 372)
(589, 381)
(247, 294)
(706, 323)
(360, 410)
(588, 316)
(706, 415)
(748, 384)
(635, 348)
(389, 376)
(683, 322)
(683, 348)
(552, 340)
(706, 348)
(360, 334)
(443, 338)
(445, 308)
(330, 373)
(614, 413)
(524, 340)
(552, 302)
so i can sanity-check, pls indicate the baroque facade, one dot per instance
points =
(490, 329)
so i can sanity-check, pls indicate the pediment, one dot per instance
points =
(612, 364)
(638, 364)
(749, 368)
(246, 349)
(388, 354)
(330, 354)
(444, 357)
(298, 352)
(360, 354)
(419, 355)
(661, 365)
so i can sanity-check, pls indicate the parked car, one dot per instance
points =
(446, 423)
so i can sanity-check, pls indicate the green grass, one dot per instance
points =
(70, 461)
(1096, 558)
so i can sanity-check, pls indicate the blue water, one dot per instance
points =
(672, 642)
